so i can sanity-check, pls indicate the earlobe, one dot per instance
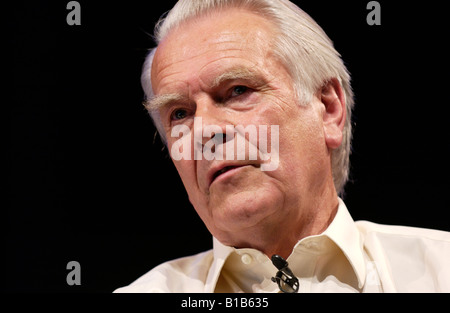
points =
(334, 114)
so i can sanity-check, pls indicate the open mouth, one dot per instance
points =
(222, 171)
(228, 171)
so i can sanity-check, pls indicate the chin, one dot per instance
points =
(245, 209)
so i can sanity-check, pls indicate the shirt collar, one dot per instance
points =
(342, 231)
(345, 234)
(221, 253)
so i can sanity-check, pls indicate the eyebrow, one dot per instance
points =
(236, 74)
(161, 101)
(158, 102)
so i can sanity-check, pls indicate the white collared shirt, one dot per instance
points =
(347, 257)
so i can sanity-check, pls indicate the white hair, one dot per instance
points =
(301, 45)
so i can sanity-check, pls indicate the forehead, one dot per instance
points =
(210, 42)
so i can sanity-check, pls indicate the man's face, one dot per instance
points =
(221, 68)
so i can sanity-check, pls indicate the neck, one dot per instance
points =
(315, 225)
(311, 218)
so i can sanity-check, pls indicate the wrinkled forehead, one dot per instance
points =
(220, 33)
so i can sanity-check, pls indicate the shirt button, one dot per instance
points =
(246, 259)
(312, 245)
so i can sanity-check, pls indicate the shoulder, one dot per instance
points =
(412, 259)
(187, 274)
(402, 232)
(406, 240)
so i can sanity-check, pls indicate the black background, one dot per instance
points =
(89, 183)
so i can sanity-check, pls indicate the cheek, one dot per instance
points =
(302, 144)
(186, 171)
(301, 128)
(181, 151)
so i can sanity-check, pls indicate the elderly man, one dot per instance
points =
(229, 77)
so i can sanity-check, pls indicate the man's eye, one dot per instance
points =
(238, 90)
(179, 114)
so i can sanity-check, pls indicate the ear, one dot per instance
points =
(334, 114)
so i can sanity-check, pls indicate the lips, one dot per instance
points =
(221, 169)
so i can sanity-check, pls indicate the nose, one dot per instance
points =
(221, 139)
(212, 125)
